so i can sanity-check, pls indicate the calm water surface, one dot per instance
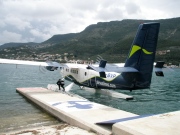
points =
(16, 112)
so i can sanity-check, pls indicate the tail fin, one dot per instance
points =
(142, 55)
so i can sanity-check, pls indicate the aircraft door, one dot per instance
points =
(83, 77)
(89, 78)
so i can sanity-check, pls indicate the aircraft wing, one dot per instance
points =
(114, 68)
(119, 67)
(49, 65)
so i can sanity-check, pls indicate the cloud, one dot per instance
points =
(38, 33)
(38, 20)
(109, 14)
(7, 36)
(18, 23)
(2, 24)
(160, 9)
(132, 8)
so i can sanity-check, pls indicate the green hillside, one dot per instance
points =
(112, 40)
(9, 45)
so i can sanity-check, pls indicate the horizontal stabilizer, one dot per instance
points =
(159, 64)
(103, 70)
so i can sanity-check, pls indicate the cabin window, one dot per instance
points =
(75, 71)
(85, 73)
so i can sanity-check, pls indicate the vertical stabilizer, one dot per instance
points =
(142, 55)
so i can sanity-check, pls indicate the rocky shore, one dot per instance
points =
(60, 129)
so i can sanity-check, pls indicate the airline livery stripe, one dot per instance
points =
(146, 52)
(135, 48)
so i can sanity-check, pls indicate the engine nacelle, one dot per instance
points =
(51, 68)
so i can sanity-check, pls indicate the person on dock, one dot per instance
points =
(60, 83)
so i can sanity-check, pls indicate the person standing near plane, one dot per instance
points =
(60, 83)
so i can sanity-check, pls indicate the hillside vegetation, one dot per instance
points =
(112, 40)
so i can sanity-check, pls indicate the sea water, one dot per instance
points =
(162, 97)
(16, 112)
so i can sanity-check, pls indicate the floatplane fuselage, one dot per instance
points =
(80, 75)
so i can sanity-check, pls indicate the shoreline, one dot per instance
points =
(58, 129)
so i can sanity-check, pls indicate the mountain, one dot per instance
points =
(61, 38)
(112, 40)
(102, 38)
(8, 45)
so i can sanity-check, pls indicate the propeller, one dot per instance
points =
(69, 87)
(42, 69)
(98, 59)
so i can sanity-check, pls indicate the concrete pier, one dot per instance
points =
(162, 124)
(73, 110)
(99, 118)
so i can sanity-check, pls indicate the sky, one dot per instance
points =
(38, 20)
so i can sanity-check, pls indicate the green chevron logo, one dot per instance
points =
(135, 48)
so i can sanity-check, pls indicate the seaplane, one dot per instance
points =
(106, 78)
